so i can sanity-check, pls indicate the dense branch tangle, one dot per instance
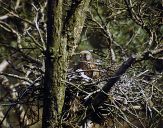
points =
(23, 24)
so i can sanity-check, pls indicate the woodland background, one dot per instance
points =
(41, 84)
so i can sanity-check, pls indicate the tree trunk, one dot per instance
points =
(63, 35)
(50, 101)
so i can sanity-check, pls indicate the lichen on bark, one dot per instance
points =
(75, 26)
(62, 46)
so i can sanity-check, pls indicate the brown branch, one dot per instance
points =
(70, 13)
(3, 65)
(17, 77)
(137, 18)
(24, 56)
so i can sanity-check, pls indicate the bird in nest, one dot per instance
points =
(87, 67)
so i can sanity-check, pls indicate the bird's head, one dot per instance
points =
(86, 56)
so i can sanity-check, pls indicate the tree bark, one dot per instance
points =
(75, 25)
(55, 66)
(49, 103)
(63, 35)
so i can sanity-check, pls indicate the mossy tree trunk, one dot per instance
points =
(63, 34)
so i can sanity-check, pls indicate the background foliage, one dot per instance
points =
(113, 31)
